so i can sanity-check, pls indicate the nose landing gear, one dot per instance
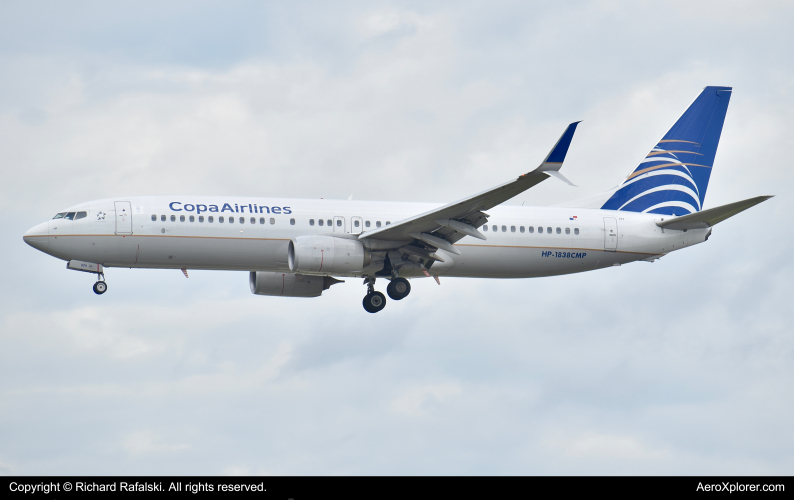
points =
(100, 287)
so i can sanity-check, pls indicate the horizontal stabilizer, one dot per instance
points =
(707, 218)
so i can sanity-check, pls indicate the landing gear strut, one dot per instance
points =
(100, 286)
(373, 301)
(398, 288)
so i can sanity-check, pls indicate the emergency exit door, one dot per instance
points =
(339, 224)
(123, 217)
(610, 234)
(356, 225)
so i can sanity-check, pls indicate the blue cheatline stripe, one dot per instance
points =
(692, 140)
(557, 154)
(645, 202)
(626, 193)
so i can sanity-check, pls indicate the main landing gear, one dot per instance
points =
(373, 301)
(398, 289)
(100, 286)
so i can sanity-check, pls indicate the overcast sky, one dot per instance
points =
(683, 366)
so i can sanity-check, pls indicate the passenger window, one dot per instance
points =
(253, 220)
(220, 219)
(162, 218)
(494, 228)
(154, 218)
(512, 229)
(339, 222)
(567, 230)
(292, 222)
(192, 219)
(59, 216)
(531, 229)
(69, 216)
(201, 218)
(272, 220)
(576, 230)
(485, 228)
(173, 218)
(540, 229)
(366, 224)
(181, 218)
(330, 223)
(377, 224)
(210, 219)
(321, 222)
(355, 223)
(242, 220)
(387, 223)
(548, 230)
(311, 222)
(504, 229)
(559, 231)
(231, 220)
(261, 220)
(521, 228)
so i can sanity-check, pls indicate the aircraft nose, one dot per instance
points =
(37, 236)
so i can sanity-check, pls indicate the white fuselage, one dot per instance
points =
(181, 235)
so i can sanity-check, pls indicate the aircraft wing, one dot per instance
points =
(444, 226)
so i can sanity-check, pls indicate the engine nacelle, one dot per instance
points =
(288, 284)
(327, 255)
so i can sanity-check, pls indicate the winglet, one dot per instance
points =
(557, 154)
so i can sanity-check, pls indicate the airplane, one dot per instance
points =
(300, 247)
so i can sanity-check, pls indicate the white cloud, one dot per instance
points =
(147, 442)
(389, 21)
(417, 401)
(605, 446)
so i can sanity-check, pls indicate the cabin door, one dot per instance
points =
(123, 217)
(610, 234)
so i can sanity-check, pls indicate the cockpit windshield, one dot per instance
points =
(71, 215)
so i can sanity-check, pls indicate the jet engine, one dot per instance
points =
(289, 284)
(327, 255)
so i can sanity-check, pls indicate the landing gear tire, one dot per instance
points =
(100, 287)
(374, 302)
(398, 288)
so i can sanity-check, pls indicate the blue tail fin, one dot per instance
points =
(673, 177)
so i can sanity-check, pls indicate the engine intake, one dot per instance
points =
(327, 255)
(289, 284)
